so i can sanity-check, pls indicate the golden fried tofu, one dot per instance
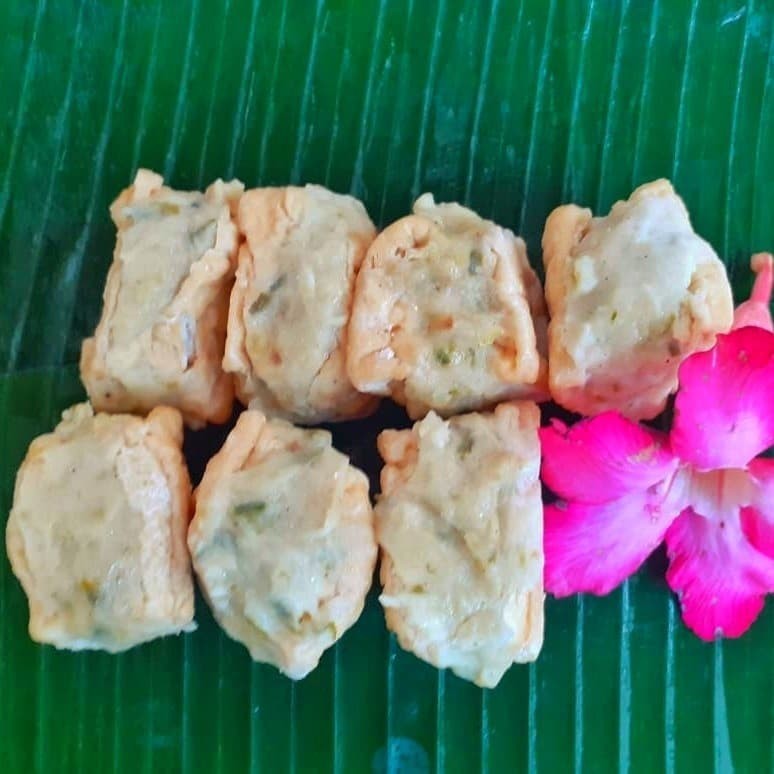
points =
(287, 326)
(443, 314)
(161, 336)
(97, 531)
(630, 296)
(283, 541)
(460, 526)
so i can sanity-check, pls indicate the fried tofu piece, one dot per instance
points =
(445, 314)
(161, 336)
(287, 326)
(630, 296)
(460, 526)
(97, 531)
(283, 541)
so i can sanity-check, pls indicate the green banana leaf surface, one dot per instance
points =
(509, 107)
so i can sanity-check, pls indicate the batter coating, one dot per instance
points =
(287, 327)
(460, 526)
(161, 336)
(97, 531)
(443, 314)
(283, 541)
(630, 295)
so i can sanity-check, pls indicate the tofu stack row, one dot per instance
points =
(288, 300)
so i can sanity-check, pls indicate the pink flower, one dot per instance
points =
(624, 488)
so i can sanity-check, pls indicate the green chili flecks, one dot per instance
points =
(465, 446)
(167, 208)
(251, 509)
(443, 356)
(263, 299)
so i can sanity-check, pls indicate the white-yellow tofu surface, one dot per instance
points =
(460, 527)
(283, 541)
(291, 302)
(97, 531)
(630, 296)
(448, 315)
(160, 340)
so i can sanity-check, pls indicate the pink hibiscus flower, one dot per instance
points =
(624, 488)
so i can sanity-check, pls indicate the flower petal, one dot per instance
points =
(724, 410)
(720, 578)
(758, 530)
(603, 458)
(594, 547)
(758, 517)
(756, 310)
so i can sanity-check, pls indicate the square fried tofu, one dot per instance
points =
(448, 314)
(287, 326)
(630, 296)
(460, 526)
(283, 541)
(161, 336)
(96, 534)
